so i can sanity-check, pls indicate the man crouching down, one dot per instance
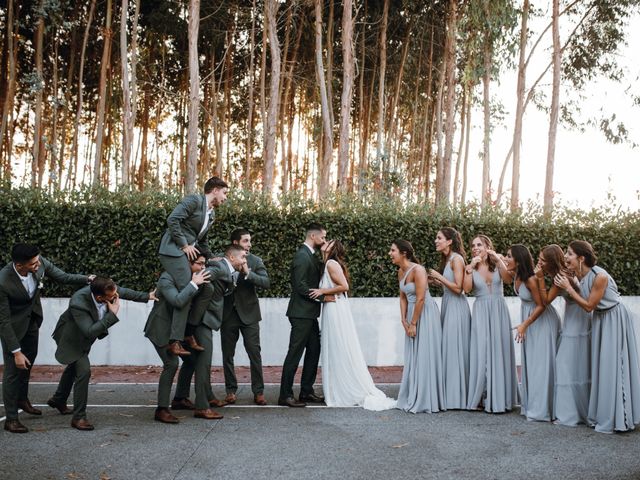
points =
(92, 310)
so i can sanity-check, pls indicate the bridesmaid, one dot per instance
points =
(455, 318)
(421, 389)
(492, 374)
(573, 360)
(614, 404)
(538, 334)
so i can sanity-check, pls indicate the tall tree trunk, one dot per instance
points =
(144, 162)
(324, 169)
(463, 111)
(463, 197)
(438, 121)
(348, 70)
(330, 21)
(381, 153)
(486, 102)
(67, 106)
(194, 97)
(263, 97)
(7, 106)
(555, 104)
(55, 106)
(129, 86)
(102, 97)
(271, 11)
(37, 167)
(363, 130)
(249, 145)
(517, 131)
(450, 104)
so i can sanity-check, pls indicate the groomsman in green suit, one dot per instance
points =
(158, 330)
(206, 315)
(20, 321)
(184, 239)
(92, 310)
(303, 313)
(242, 315)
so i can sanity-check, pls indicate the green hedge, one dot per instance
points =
(117, 234)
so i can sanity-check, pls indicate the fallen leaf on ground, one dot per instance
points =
(125, 415)
(400, 445)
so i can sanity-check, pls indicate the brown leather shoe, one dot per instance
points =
(81, 424)
(175, 348)
(164, 415)
(207, 414)
(259, 400)
(61, 407)
(193, 344)
(230, 398)
(26, 407)
(14, 426)
(291, 402)
(217, 403)
(182, 404)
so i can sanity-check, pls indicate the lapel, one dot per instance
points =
(21, 292)
(92, 306)
(202, 216)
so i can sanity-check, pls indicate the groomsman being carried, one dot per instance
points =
(92, 310)
(184, 239)
(20, 321)
(303, 313)
(242, 315)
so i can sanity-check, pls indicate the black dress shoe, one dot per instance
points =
(61, 407)
(26, 407)
(291, 402)
(311, 398)
(14, 426)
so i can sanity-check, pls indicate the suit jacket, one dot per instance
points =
(245, 298)
(222, 283)
(17, 309)
(306, 271)
(184, 225)
(79, 326)
(158, 326)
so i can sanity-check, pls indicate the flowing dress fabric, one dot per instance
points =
(456, 331)
(346, 380)
(573, 365)
(422, 389)
(492, 374)
(538, 359)
(614, 403)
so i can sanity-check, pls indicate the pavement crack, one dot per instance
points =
(195, 450)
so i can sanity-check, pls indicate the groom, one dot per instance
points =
(303, 313)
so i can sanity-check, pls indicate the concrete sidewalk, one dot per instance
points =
(311, 443)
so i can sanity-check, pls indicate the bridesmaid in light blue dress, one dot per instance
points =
(455, 317)
(492, 375)
(538, 334)
(421, 389)
(573, 360)
(614, 403)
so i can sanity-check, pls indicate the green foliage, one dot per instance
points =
(117, 234)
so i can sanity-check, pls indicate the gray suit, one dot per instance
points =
(158, 330)
(20, 321)
(242, 315)
(184, 227)
(77, 329)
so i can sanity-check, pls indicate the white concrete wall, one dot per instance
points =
(377, 321)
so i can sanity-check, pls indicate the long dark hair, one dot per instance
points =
(584, 249)
(523, 258)
(404, 246)
(337, 252)
(554, 259)
(491, 263)
(452, 234)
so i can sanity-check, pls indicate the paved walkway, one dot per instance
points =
(272, 442)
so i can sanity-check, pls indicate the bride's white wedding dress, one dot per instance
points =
(346, 380)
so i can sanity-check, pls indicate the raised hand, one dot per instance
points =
(114, 305)
(201, 277)
(537, 270)
(153, 296)
(191, 252)
(561, 281)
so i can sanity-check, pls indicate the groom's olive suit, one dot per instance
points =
(303, 313)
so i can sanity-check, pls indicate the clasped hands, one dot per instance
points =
(314, 293)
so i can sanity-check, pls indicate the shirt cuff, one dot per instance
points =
(16, 350)
(193, 283)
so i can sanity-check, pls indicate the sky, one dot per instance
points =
(588, 169)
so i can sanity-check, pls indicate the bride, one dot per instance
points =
(345, 377)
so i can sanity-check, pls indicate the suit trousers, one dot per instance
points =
(15, 382)
(180, 269)
(305, 335)
(204, 392)
(230, 331)
(76, 375)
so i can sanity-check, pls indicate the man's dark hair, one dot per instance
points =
(101, 285)
(314, 227)
(214, 182)
(200, 255)
(238, 233)
(232, 250)
(23, 252)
